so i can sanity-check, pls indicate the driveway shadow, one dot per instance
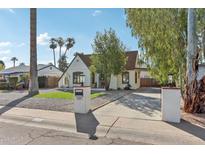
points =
(190, 128)
(13, 103)
(86, 123)
(153, 90)
(145, 104)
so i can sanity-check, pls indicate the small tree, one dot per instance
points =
(109, 55)
(14, 59)
(2, 65)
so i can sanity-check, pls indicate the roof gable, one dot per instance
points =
(130, 64)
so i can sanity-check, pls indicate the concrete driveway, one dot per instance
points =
(143, 103)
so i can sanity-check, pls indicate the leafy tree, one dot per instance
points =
(2, 65)
(165, 35)
(33, 84)
(63, 64)
(14, 59)
(109, 55)
(53, 46)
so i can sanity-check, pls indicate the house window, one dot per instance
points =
(77, 77)
(125, 77)
(136, 77)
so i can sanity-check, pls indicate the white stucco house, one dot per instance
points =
(80, 66)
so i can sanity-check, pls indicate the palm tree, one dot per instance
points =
(33, 85)
(53, 46)
(60, 42)
(69, 44)
(14, 59)
(2, 65)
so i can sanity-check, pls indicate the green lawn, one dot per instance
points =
(64, 95)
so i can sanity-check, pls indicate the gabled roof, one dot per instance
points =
(22, 69)
(131, 60)
(130, 64)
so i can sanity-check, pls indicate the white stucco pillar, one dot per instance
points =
(170, 106)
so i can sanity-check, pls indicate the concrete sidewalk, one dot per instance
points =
(138, 130)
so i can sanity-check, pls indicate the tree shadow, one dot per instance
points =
(190, 128)
(86, 123)
(153, 90)
(145, 104)
(13, 103)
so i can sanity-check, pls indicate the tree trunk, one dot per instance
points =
(60, 54)
(14, 63)
(33, 85)
(192, 44)
(192, 98)
(107, 83)
(54, 57)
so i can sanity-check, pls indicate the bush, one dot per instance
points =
(4, 85)
(13, 81)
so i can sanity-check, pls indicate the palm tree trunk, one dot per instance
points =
(33, 84)
(60, 54)
(65, 52)
(54, 57)
(14, 63)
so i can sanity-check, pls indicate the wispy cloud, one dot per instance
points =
(9, 10)
(43, 39)
(96, 13)
(3, 52)
(5, 44)
(21, 45)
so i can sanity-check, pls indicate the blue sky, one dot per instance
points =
(81, 24)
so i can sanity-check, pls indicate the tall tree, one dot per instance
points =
(33, 85)
(69, 43)
(2, 65)
(14, 59)
(162, 37)
(191, 101)
(53, 46)
(109, 55)
(61, 43)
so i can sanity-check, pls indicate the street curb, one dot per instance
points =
(108, 102)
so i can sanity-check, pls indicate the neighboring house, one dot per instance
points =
(47, 73)
(79, 67)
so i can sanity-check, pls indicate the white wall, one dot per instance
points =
(50, 71)
(131, 80)
(113, 82)
(77, 65)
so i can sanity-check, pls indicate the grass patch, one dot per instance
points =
(95, 95)
(64, 95)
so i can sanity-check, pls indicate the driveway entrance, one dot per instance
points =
(143, 103)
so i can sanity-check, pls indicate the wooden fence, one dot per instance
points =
(149, 82)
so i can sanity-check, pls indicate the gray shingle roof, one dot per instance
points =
(20, 69)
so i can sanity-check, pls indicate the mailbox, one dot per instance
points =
(82, 99)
